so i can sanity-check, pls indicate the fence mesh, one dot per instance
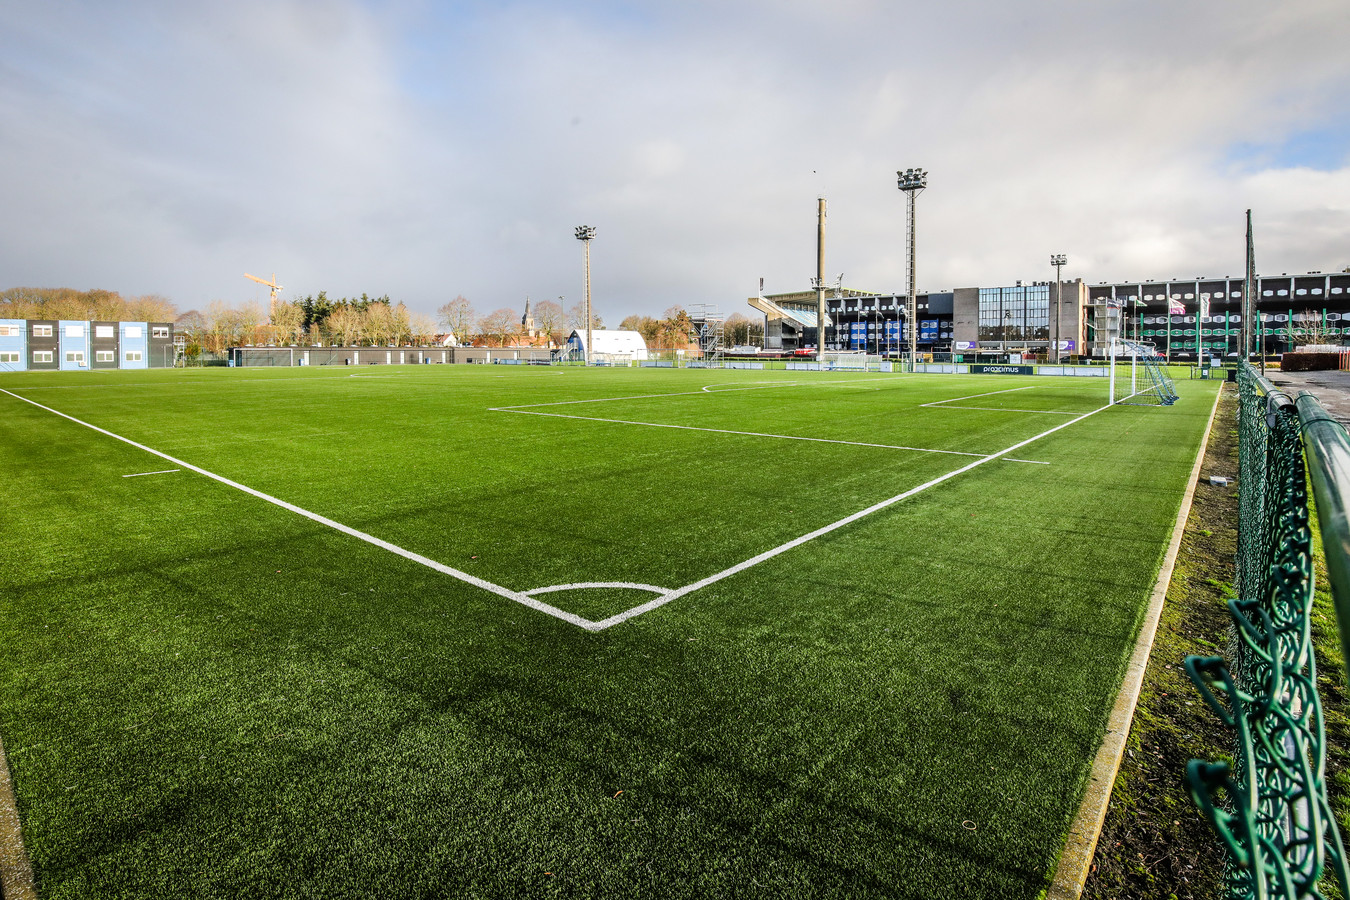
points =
(1270, 806)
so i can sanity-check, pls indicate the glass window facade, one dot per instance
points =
(1015, 315)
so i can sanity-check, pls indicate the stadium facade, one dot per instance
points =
(1182, 318)
(63, 344)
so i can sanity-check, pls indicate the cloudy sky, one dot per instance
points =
(425, 149)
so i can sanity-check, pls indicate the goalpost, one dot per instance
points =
(1137, 377)
(844, 360)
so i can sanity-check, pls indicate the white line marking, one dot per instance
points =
(139, 474)
(637, 397)
(525, 599)
(337, 526)
(942, 404)
(1030, 387)
(736, 386)
(847, 520)
(586, 585)
(781, 437)
(1043, 412)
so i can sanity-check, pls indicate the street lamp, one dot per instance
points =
(912, 182)
(584, 234)
(1058, 260)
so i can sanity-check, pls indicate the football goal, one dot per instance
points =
(1138, 377)
(851, 360)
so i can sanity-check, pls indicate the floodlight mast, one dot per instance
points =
(819, 281)
(912, 182)
(585, 233)
(1058, 260)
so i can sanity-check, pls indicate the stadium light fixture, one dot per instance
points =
(1058, 260)
(912, 182)
(585, 233)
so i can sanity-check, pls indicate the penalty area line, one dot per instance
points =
(833, 526)
(336, 526)
(758, 434)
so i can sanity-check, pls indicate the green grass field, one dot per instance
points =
(207, 694)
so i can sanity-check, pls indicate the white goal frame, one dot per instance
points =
(844, 360)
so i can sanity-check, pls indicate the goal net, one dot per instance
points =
(852, 360)
(1138, 377)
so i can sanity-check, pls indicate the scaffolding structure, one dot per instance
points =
(709, 324)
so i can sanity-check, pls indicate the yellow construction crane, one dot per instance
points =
(276, 289)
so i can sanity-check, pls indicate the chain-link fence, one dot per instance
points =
(1269, 806)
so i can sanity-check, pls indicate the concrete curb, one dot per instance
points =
(16, 875)
(1075, 863)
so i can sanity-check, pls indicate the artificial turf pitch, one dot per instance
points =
(205, 694)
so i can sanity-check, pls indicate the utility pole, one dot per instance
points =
(584, 234)
(820, 281)
(912, 182)
(1251, 325)
(1058, 260)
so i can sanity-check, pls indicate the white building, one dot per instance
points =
(610, 346)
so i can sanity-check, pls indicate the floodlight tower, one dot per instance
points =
(584, 234)
(819, 281)
(912, 182)
(1058, 260)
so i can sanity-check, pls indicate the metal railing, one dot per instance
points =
(1270, 805)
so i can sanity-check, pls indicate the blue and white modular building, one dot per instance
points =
(69, 345)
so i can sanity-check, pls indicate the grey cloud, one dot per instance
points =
(169, 148)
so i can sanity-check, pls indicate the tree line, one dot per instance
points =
(504, 326)
(352, 321)
(317, 319)
(84, 306)
(675, 330)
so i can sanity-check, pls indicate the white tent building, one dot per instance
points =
(610, 346)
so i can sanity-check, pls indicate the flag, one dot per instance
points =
(1175, 307)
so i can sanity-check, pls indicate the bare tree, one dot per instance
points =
(421, 328)
(458, 317)
(149, 308)
(400, 329)
(250, 319)
(736, 330)
(379, 324)
(1309, 329)
(548, 320)
(346, 326)
(576, 317)
(289, 321)
(499, 326)
(191, 323)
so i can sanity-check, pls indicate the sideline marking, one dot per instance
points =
(782, 437)
(160, 472)
(524, 598)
